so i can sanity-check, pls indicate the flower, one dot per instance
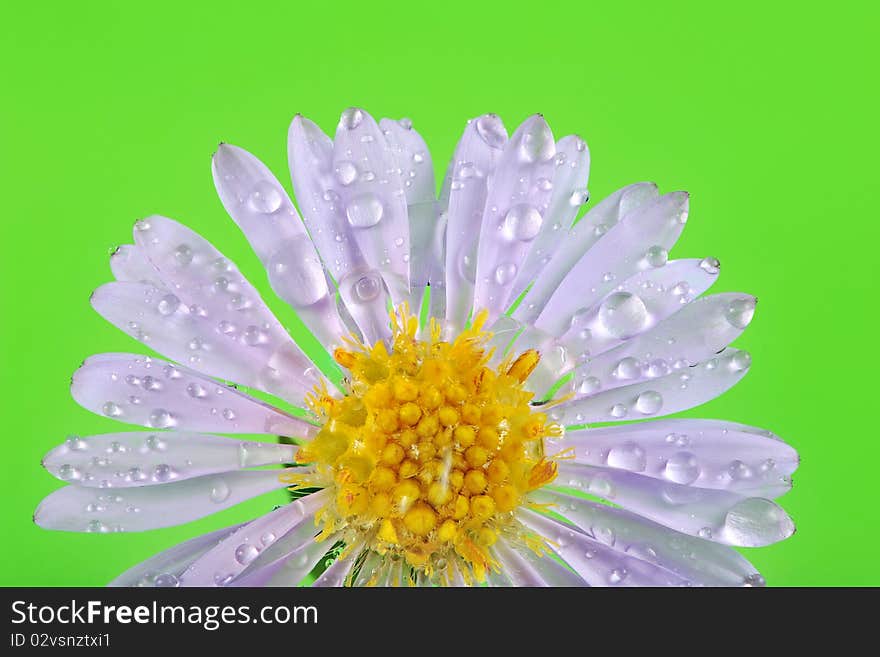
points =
(488, 347)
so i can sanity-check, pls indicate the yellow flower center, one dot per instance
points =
(431, 449)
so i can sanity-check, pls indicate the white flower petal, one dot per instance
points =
(257, 202)
(226, 560)
(516, 208)
(595, 562)
(129, 263)
(569, 193)
(580, 238)
(238, 327)
(718, 515)
(678, 391)
(699, 330)
(248, 354)
(374, 199)
(463, 199)
(81, 509)
(164, 569)
(619, 254)
(124, 460)
(694, 559)
(157, 394)
(299, 554)
(417, 171)
(703, 453)
(525, 568)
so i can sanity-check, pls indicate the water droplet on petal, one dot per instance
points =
(710, 265)
(491, 130)
(682, 468)
(168, 304)
(245, 553)
(254, 335)
(166, 580)
(367, 288)
(623, 314)
(160, 418)
(220, 492)
(656, 256)
(346, 172)
(264, 197)
(740, 312)
(505, 273)
(111, 409)
(351, 118)
(522, 222)
(537, 142)
(628, 456)
(649, 402)
(183, 255)
(364, 211)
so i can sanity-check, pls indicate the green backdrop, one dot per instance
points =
(763, 111)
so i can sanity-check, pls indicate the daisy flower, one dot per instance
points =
(497, 360)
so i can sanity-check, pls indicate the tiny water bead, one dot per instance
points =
(431, 450)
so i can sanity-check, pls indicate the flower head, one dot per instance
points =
(491, 353)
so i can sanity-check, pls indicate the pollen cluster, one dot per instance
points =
(431, 449)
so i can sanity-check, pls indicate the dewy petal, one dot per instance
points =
(525, 568)
(619, 254)
(678, 391)
(246, 353)
(129, 263)
(236, 326)
(319, 190)
(123, 460)
(374, 199)
(257, 202)
(700, 329)
(703, 453)
(579, 239)
(301, 556)
(696, 560)
(463, 199)
(337, 573)
(569, 193)
(223, 562)
(516, 208)
(663, 291)
(81, 509)
(595, 562)
(164, 569)
(718, 515)
(426, 233)
(157, 394)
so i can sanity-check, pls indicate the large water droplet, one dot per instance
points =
(364, 211)
(537, 142)
(623, 314)
(491, 130)
(504, 273)
(168, 304)
(710, 265)
(111, 409)
(264, 197)
(367, 288)
(629, 456)
(166, 580)
(656, 256)
(740, 312)
(296, 273)
(245, 553)
(160, 418)
(628, 368)
(351, 118)
(346, 172)
(755, 522)
(522, 222)
(682, 468)
(220, 492)
(649, 402)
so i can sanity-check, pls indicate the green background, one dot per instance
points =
(764, 111)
